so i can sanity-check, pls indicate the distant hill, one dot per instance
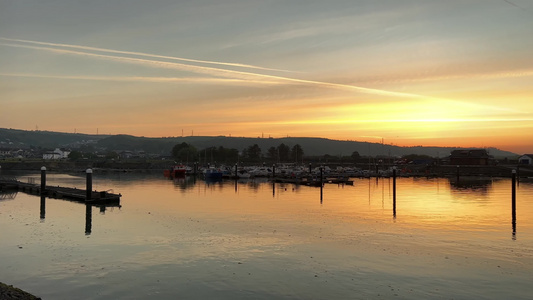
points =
(14, 138)
(312, 146)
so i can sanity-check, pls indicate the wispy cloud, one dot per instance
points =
(140, 78)
(398, 78)
(221, 72)
(142, 54)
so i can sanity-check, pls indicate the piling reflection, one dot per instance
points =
(88, 219)
(43, 207)
(513, 203)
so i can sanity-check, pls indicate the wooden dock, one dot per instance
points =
(309, 181)
(80, 195)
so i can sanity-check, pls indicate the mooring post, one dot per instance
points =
(513, 196)
(321, 193)
(43, 180)
(89, 184)
(457, 172)
(310, 169)
(394, 191)
(321, 175)
(236, 174)
(518, 175)
(273, 171)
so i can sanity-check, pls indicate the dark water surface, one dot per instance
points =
(189, 239)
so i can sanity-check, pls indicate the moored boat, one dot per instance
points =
(213, 173)
(176, 171)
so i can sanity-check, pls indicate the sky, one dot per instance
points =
(432, 73)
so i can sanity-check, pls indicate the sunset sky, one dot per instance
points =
(410, 72)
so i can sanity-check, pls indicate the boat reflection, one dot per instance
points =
(474, 184)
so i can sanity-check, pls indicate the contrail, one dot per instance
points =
(222, 72)
(516, 5)
(144, 54)
(139, 78)
(513, 4)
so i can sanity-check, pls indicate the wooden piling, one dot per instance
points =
(321, 193)
(513, 195)
(89, 188)
(43, 180)
(274, 171)
(394, 191)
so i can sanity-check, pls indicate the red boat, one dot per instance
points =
(176, 171)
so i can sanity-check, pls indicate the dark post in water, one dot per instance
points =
(321, 193)
(43, 180)
(89, 184)
(321, 175)
(394, 191)
(273, 170)
(513, 201)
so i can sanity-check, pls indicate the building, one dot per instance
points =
(478, 157)
(56, 154)
(526, 159)
(5, 152)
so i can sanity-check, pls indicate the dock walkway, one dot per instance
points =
(97, 197)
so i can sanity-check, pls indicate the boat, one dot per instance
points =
(176, 171)
(243, 174)
(213, 173)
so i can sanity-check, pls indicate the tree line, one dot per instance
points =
(187, 153)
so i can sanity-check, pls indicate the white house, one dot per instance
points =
(56, 154)
(526, 159)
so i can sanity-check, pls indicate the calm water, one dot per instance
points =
(251, 240)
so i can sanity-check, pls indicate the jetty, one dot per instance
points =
(310, 181)
(87, 196)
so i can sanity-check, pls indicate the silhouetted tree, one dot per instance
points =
(184, 152)
(253, 153)
(355, 156)
(75, 155)
(297, 153)
(272, 153)
(283, 152)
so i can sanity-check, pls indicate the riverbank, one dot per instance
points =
(9, 292)
(104, 166)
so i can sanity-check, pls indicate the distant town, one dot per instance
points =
(129, 152)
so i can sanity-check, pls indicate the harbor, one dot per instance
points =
(190, 238)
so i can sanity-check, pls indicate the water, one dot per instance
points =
(253, 240)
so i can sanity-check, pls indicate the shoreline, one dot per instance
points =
(9, 292)
(145, 166)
